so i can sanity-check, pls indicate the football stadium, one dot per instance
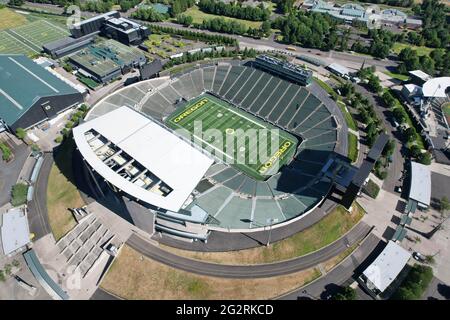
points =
(225, 146)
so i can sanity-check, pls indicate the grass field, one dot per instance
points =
(221, 123)
(29, 38)
(61, 192)
(11, 45)
(10, 19)
(199, 16)
(329, 229)
(421, 51)
(39, 33)
(347, 116)
(398, 76)
(133, 276)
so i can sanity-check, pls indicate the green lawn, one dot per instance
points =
(397, 76)
(348, 117)
(326, 231)
(10, 19)
(243, 130)
(61, 192)
(199, 16)
(352, 147)
(421, 51)
(19, 194)
(446, 109)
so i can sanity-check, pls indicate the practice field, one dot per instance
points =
(38, 33)
(10, 45)
(10, 19)
(238, 138)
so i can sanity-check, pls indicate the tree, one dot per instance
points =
(410, 134)
(444, 204)
(345, 293)
(415, 151)
(425, 158)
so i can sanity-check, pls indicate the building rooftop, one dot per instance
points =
(142, 159)
(22, 83)
(436, 87)
(14, 230)
(420, 189)
(387, 266)
(420, 74)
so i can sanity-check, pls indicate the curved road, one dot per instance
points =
(359, 232)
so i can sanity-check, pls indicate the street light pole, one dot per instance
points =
(270, 221)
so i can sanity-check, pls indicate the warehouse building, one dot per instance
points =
(30, 94)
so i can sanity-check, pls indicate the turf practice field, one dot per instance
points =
(238, 138)
(38, 33)
(10, 45)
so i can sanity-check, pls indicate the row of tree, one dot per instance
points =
(188, 57)
(180, 6)
(438, 62)
(234, 10)
(193, 35)
(435, 27)
(148, 14)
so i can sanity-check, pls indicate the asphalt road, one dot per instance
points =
(327, 284)
(100, 294)
(37, 208)
(359, 232)
(437, 290)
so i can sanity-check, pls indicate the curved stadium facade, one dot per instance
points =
(225, 195)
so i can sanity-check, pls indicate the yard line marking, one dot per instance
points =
(55, 26)
(11, 30)
(15, 39)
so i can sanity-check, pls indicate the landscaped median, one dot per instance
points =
(133, 276)
(352, 147)
(62, 194)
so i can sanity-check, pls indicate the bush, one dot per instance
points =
(19, 194)
(21, 133)
(372, 189)
(425, 158)
(415, 283)
(6, 152)
(59, 139)
(2, 276)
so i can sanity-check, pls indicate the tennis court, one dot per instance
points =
(251, 145)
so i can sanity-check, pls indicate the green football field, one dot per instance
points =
(236, 137)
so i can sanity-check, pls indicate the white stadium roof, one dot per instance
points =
(420, 74)
(169, 159)
(420, 183)
(14, 230)
(436, 87)
(387, 266)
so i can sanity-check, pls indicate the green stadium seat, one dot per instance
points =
(208, 77)
(265, 94)
(311, 103)
(293, 107)
(247, 87)
(221, 74)
(233, 90)
(274, 98)
(233, 75)
(197, 79)
(248, 186)
(291, 207)
(282, 105)
(213, 200)
(257, 89)
(236, 213)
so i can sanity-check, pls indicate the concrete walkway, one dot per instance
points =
(227, 241)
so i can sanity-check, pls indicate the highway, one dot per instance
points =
(359, 232)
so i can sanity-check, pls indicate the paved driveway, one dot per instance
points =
(9, 172)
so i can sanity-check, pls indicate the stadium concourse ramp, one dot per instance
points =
(232, 200)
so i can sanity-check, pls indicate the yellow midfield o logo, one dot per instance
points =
(274, 158)
(192, 109)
